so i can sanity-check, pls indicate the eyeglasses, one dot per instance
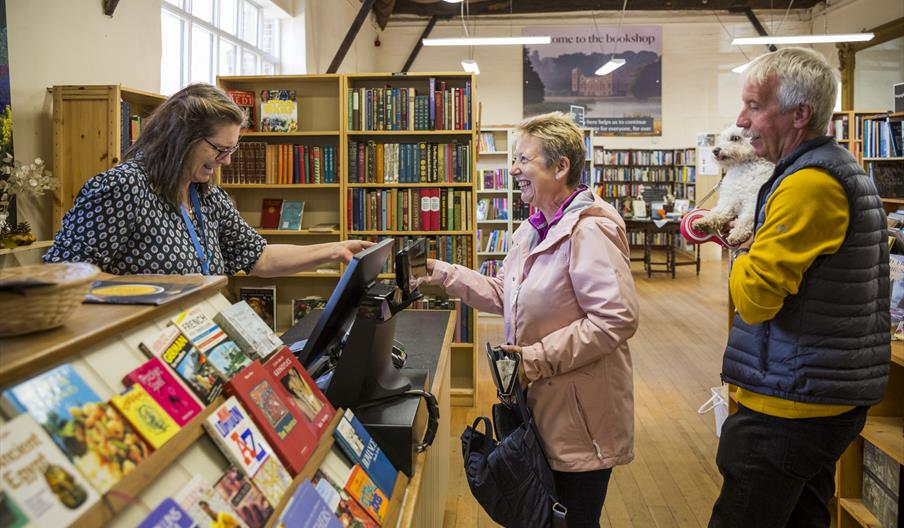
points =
(522, 160)
(223, 151)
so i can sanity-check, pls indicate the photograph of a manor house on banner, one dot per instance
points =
(625, 102)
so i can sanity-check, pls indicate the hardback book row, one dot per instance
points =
(416, 209)
(495, 241)
(490, 267)
(645, 157)
(388, 108)
(640, 174)
(883, 137)
(129, 127)
(455, 249)
(464, 324)
(257, 162)
(423, 162)
(272, 111)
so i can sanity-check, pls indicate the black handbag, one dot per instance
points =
(510, 477)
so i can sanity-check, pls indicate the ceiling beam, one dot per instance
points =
(519, 7)
(419, 44)
(755, 22)
(366, 6)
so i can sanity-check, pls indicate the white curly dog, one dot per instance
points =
(745, 173)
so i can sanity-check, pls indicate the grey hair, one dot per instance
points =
(559, 138)
(803, 77)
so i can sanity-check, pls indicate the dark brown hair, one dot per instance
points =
(174, 128)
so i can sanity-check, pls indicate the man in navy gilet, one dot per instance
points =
(809, 347)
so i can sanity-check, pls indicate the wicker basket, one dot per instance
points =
(42, 296)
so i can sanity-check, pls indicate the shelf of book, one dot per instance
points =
(309, 133)
(93, 125)
(855, 511)
(467, 185)
(297, 186)
(299, 232)
(426, 133)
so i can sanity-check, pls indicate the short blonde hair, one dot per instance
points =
(803, 77)
(559, 137)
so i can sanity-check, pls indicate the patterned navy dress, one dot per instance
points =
(121, 225)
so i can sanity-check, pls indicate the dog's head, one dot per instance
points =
(733, 147)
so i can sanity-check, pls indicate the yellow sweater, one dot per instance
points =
(807, 216)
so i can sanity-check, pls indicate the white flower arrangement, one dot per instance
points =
(26, 179)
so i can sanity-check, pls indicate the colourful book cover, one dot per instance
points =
(250, 332)
(96, 438)
(168, 514)
(147, 417)
(355, 441)
(155, 378)
(38, 481)
(206, 507)
(347, 510)
(299, 389)
(238, 490)
(279, 111)
(237, 436)
(222, 353)
(11, 516)
(262, 300)
(306, 509)
(368, 495)
(272, 480)
(174, 349)
(291, 215)
(276, 418)
(245, 100)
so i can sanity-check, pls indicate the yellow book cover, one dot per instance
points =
(272, 479)
(145, 415)
(368, 495)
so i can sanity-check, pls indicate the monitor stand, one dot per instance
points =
(365, 371)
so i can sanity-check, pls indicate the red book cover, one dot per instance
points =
(270, 210)
(154, 376)
(434, 209)
(245, 100)
(278, 420)
(425, 209)
(298, 388)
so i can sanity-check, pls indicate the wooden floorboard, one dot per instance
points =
(677, 350)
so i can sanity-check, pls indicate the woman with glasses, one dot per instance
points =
(158, 212)
(569, 306)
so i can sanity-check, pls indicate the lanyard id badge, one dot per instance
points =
(199, 248)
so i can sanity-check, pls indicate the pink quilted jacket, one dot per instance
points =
(570, 302)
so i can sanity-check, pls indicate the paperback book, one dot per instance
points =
(244, 497)
(169, 394)
(136, 291)
(96, 438)
(306, 509)
(361, 448)
(368, 495)
(38, 481)
(222, 353)
(256, 339)
(245, 100)
(349, 512)
(174, 349)
(279, 111)
(262, 300)
(274, 416)
(168, 514)
(205, 506)
(147, 417)
(291, 216)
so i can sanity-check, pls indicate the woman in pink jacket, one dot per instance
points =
(566, 293)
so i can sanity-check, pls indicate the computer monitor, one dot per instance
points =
(356, 350)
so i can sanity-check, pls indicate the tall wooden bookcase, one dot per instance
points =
(88, 134)
(325, 108)
(495, 195)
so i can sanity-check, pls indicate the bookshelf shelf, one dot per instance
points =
(884, 159)
(492, 191)
(498, 222)
(408, 233)
(302, 232)
(40, 244)
(410, 133)
(407, 185)
(495, 153)
(302, 133)
(240, 186)
(856, 509)
(885, 433)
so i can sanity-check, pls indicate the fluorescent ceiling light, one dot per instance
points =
(452, 1)
(610, 66)
(470, 65)
(803, 39)
(485, 41)
(741, 68)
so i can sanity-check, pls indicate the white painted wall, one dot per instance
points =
(327, 24)
(72, 42)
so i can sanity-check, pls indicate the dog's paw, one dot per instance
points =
(738, 236)
(702, 224)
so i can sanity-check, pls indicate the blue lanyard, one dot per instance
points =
(199, 249)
